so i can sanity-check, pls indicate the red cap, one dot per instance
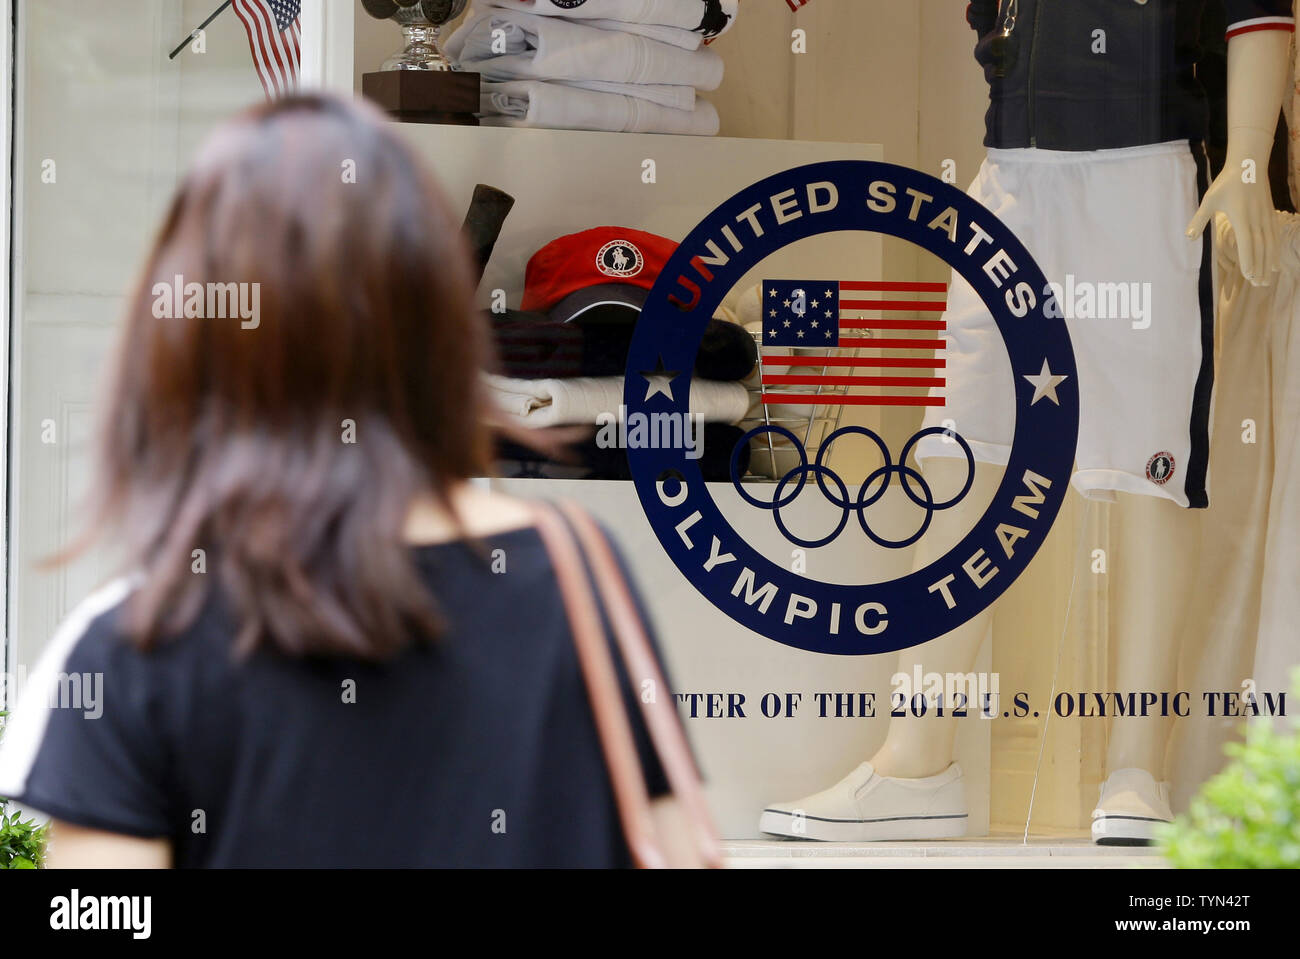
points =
(603, 255)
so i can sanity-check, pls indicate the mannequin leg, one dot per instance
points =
(910, 789)
(1152, 551)
(916, 748)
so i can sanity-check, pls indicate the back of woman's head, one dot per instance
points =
(300, 359)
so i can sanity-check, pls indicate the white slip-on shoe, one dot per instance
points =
(867, 807)
(1132, 804)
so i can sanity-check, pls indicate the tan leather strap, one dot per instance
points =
(660, 713)
(603, 691)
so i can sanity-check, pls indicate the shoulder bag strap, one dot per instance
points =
(660, 714)
(605, 693)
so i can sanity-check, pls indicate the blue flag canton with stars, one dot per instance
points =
(801, 313)
(286, 12)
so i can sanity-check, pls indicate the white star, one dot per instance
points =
(771, 332)
(828, 334)
(800, 334)
(787, 304)
(772, 313)
(772, 292)
(828, 294)
(1045, 384)
(787, 324)
(815, 304)
(828, 314)
(815, 324)
(660, 380)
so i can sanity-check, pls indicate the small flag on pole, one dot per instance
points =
(830, 316)
(274, 35)
(796, 4)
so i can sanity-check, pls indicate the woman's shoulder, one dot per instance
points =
(94, 640)
(90, 635)
(478, 513)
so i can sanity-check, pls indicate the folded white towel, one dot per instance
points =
(678, 37)
(580, 399)
(665, 94)
(537, 103)
(505, 44)
(708, 18)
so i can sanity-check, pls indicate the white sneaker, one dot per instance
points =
(1132, 804)
(867, 807)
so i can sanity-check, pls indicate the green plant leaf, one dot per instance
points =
(1247, 816)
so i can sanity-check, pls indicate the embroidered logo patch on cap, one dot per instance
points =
(619, 258)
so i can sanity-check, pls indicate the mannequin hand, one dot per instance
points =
(1249, 208)
(1225, 244)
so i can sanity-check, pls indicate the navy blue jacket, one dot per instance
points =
(1101, 74)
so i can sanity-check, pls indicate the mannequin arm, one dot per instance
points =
(1257, 72)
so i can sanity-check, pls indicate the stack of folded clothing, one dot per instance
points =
(627, 66)
(564, 355)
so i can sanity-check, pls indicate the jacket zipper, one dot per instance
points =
(1033, 59)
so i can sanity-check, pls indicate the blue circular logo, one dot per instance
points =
(791, 608)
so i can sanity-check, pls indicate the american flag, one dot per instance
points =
(830, 316)
(273, 35)
(796, 4)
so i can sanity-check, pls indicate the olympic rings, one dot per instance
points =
(970, 466)
(904, 471)
(865, 498)
(818, 470)
(843, 431)
(735, 466)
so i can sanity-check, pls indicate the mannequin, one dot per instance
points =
(1246, 606)
(911, 788)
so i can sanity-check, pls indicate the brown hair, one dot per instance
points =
(231, 434)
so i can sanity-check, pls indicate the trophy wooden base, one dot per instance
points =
(425, 96)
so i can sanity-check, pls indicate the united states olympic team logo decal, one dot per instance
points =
(762, 594)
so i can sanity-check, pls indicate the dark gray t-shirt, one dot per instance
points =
(477, 751)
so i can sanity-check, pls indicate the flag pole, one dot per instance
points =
(184, 43)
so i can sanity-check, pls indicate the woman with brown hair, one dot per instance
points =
(331, 649)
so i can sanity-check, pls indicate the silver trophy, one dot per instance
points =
(421, 22)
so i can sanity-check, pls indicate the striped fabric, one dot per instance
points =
(1260, 23)
(274, 35)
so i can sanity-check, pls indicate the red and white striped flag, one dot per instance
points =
(820, 315)
(796, 4)
(274, 35)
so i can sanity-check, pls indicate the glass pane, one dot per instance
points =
(106, 125)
